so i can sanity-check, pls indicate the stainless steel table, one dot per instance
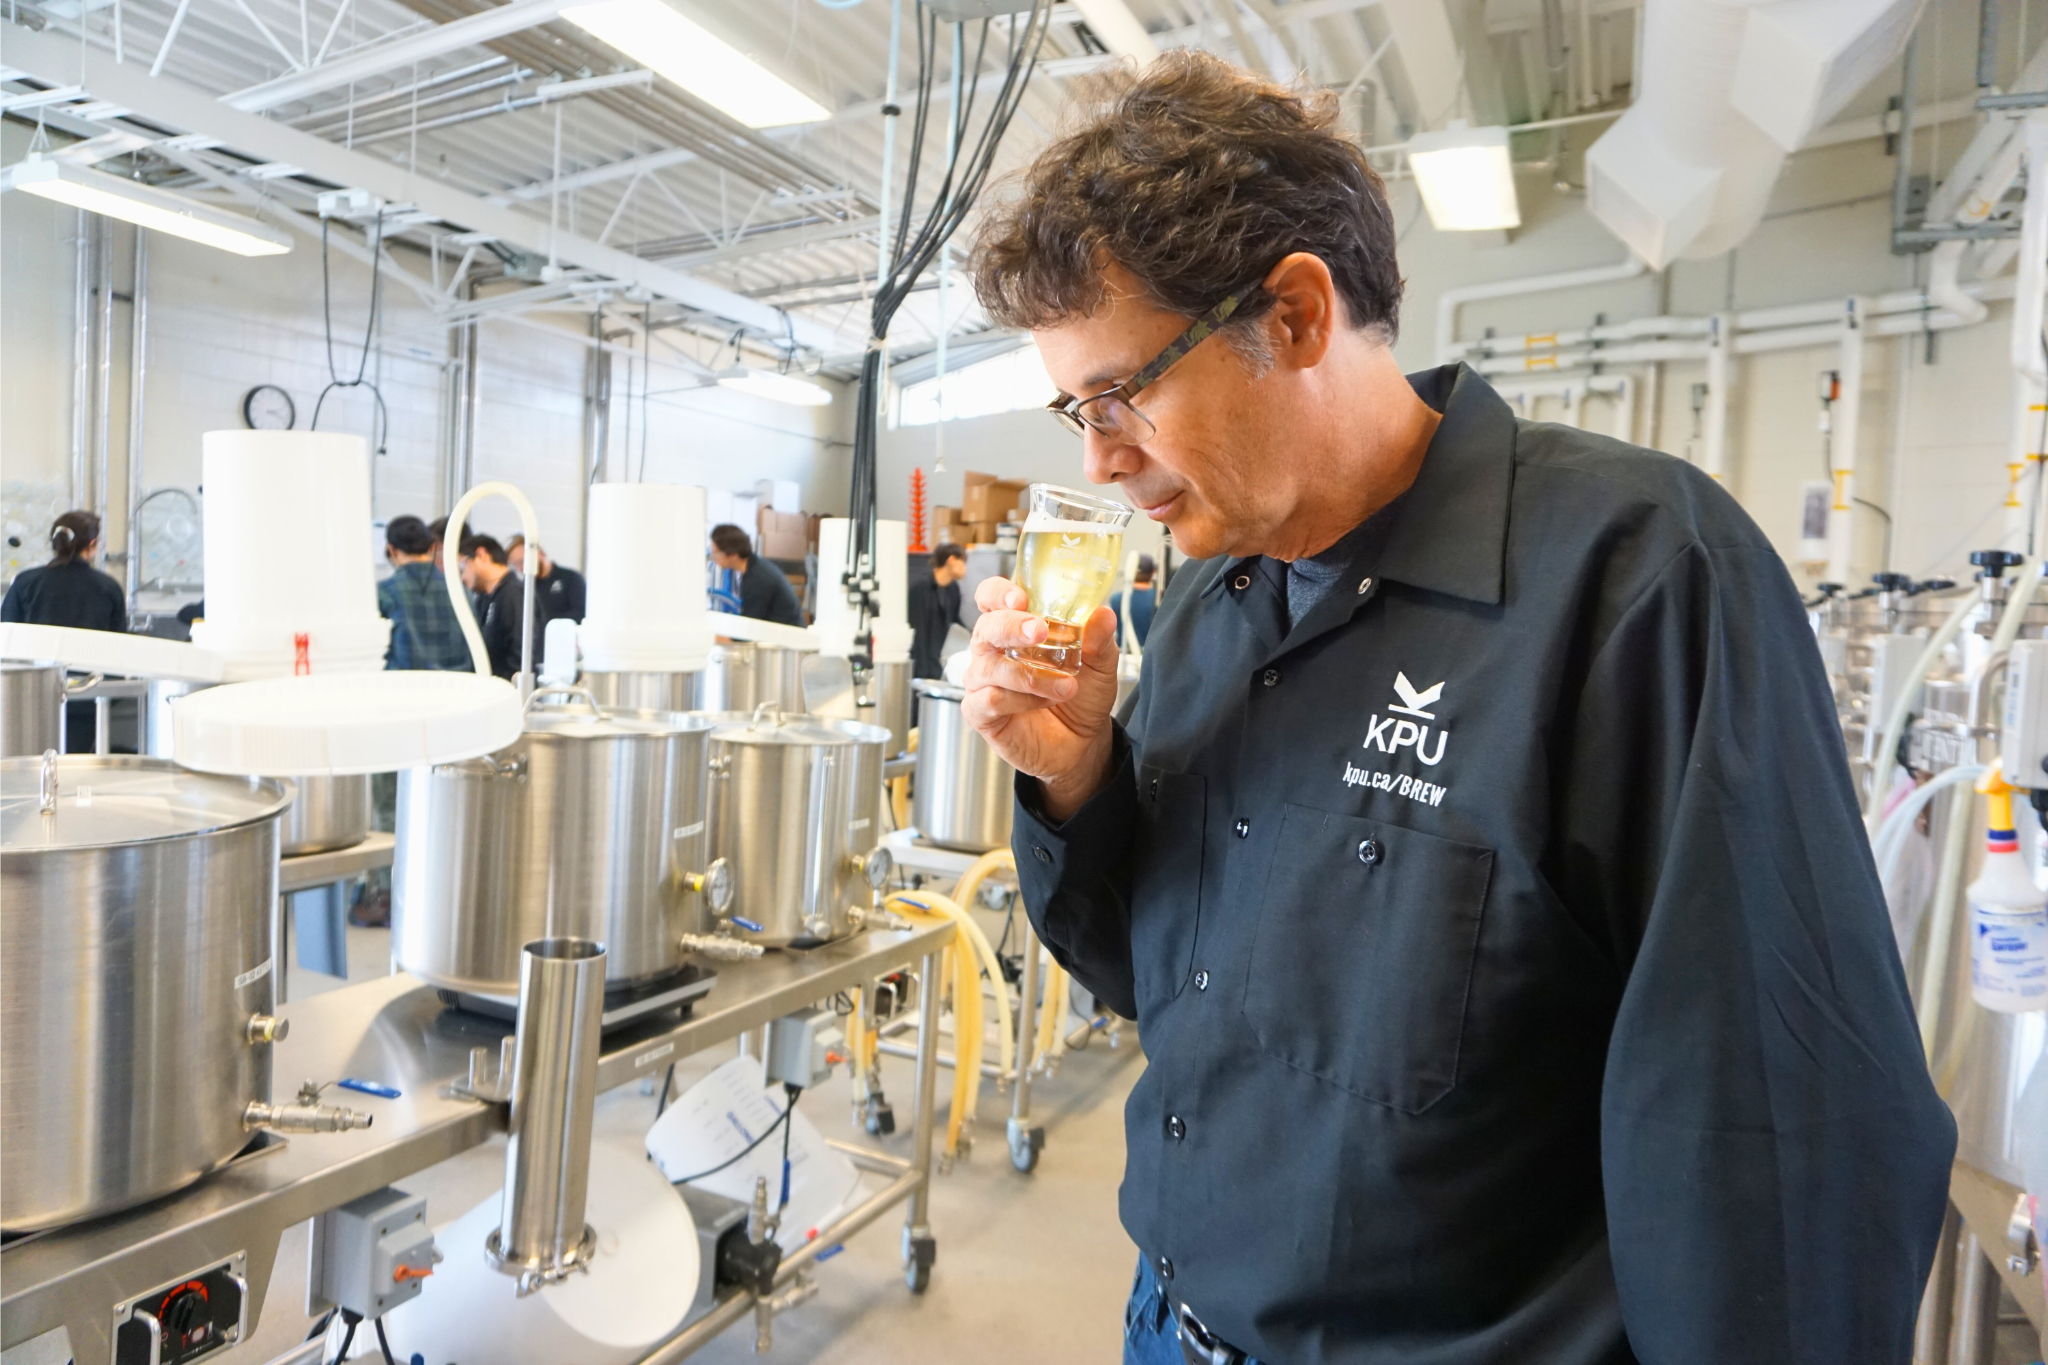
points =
(309, 870)
(397, 1031)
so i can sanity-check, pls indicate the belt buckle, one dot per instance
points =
(1198, 1345)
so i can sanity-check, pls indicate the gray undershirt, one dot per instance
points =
(1310, 578)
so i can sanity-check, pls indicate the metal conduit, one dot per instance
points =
(405, 114)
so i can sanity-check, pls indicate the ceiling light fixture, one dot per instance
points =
(1466, 179)
(144, 205)
(654, 34)
(779, 388)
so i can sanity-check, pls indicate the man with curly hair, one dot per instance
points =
(1477, 853)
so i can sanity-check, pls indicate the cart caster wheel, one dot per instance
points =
(881, 1119)
(918, 1255)
(1025, 1147)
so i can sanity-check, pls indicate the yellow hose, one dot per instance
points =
(990, 963)
(1054, 1012)
(961, 967)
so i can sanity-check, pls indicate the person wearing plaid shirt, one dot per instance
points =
(424, 631)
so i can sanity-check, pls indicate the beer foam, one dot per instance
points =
(1039, 521)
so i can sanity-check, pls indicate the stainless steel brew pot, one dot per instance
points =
(781, 810)
(644, 691)
(964, 793)
(864, 787)
(135, 950)
(887, 691)
(744, 675)
(329, 813)
(591, 825)
(31, 708)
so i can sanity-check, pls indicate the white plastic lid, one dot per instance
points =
(110, 651)
(341, 724)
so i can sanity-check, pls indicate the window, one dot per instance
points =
(1006, 383)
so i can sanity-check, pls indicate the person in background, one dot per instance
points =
(424, 631)
(561, 587)
(1144, 599)
(68, 591)
(934, 608)
(485, 570)
(765, 593)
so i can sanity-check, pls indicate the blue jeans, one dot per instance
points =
(1150, 1337)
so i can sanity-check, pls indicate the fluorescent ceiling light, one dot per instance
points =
(1466, 179)
(780, 388)
(144, 205)
(713, 70)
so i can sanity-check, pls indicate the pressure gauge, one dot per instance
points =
(268, 408)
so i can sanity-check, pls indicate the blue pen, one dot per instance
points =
(369, 1088)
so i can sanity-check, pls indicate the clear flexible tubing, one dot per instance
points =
(1891, 835)
(451, 556)
(1895, 723)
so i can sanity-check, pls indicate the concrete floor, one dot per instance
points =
(1030, 1267)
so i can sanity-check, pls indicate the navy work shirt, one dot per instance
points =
(765, 594)
(1504, 942)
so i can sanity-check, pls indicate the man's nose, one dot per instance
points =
(1104, 458)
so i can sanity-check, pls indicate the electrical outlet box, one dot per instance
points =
(2023, 733)
(802, 1048)
(371, 1254)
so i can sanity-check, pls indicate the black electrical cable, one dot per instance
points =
(320, 1327)
(348, 1338)
(912, 252)
(792, 1091)
(668, 1083)
(766, 1133)
(382, 428)
(384, 1342)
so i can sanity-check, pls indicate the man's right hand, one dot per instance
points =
(1047, 725)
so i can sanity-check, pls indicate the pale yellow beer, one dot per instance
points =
(1067, 567)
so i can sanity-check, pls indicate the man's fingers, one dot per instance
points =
(1098, 641)
(992, 668)
(1000, 594)
(1004, 629)
(987, 704)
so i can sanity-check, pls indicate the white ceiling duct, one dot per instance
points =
(1686, 172)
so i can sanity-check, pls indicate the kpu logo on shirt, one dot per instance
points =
(1392, 733)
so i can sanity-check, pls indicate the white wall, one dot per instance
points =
(220, 324)
(1941, 472)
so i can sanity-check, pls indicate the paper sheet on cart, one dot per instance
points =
(713, 1121)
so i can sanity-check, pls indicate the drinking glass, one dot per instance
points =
(1066, 560)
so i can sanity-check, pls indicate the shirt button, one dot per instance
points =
(1271, 677)
(1175, 1129)
(1370, 851)
(1365, 585)
(1241, 582)
(1044, 857)
(1243, 828)
(1155, 789)
(1202, 979)
(1165, 1269)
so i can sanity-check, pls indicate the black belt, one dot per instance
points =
(1199, 1345)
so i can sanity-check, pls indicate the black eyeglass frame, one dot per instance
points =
(1067, 408)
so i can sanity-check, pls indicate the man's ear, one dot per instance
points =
(1305, 310)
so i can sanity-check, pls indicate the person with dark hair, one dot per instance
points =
(1143, 601)
(424, 631)
(68, 591)
(1542, 1004)
(765, 593)
(934, 602)
(486, 573)
(562, 590)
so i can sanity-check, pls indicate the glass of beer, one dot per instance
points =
(1067, 560)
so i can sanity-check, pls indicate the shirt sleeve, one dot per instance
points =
(1775, 1157)
(1075, 877)
(14, 607)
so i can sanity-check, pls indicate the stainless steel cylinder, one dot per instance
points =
(965, 794)
(781, 806)
(887, 690)
(541, 1235)
(31, 708)
(645, 691)
(864, 784)
(743, 675)
(135, 960)
(589, 826)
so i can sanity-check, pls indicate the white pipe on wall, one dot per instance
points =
(1714, 434)
(1842, 445)
(1448, 302)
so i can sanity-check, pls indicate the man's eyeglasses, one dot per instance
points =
(1111, 412)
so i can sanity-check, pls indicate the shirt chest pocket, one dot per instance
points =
(1362, 960)
(1166, 864)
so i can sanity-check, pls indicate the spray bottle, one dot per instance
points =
(2008, 915)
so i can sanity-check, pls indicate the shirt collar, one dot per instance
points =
(1449, 530)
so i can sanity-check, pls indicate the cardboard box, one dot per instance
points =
(989, 499)
(978, 533)
(783, 535)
